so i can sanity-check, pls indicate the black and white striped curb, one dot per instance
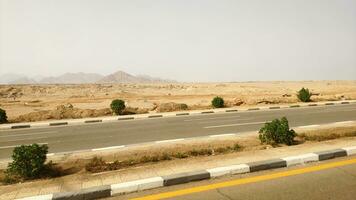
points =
(151, 116)
(175, 179)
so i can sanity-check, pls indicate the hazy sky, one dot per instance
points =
(185, 40)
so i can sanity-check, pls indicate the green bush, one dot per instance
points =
(277, 132)
(117, 106)
(28, 161)
(217, 102)
(304, 95)
(3, 117)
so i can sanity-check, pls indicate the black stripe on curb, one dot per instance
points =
(126, 118)
(329, 104)
(20, 126)
(155, 116)
(294, 106)
(326, 155)
(230, 110)
(176, 179)
(207, 112)
(253, 109)
(267, 164)
(313, 104)
(345, 102)
(58, 123)
(89, 193)
(275, 107)
(93, 121)
(180, 114)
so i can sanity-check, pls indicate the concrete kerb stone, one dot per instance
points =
(326, 155)
(233, 169)
(138, 185)
(89, 193)
(301, 159)
(267, 164)
(21, 126)
(180, 178)
(350, 150)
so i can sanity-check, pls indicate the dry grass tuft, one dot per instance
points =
(328, 134)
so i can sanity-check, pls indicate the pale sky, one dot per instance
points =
(184, 40)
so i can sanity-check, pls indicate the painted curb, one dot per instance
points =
(89, 193)
(233, 169)
(267, 164)
(138, 185)
(326, 155)
(174, 179)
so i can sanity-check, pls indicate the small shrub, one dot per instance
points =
(117, 106)
(217, 102)
(3, 116)
(236, 147)
(28, 161)
(304, 95)
(277, 132)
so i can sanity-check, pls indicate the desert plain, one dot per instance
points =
(25, 103)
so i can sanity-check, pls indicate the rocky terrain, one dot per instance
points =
(57, 101)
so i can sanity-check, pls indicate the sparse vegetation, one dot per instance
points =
(117, 106)
(97, 164)
(277, 132)
(304, 95)
(328, 134)
(218, 102)
(3, 116)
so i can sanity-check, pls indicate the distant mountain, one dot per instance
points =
(7, 78)
(75, 78)
(79, 78)
(23, 80)
(123, 77)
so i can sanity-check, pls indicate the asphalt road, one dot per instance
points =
(335, 183)
(80, 137)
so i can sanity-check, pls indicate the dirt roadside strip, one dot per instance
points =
(180, 178)
(159, 115)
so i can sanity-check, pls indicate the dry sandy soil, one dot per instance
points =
(43, 102)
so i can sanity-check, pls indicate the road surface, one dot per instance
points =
(81, 137)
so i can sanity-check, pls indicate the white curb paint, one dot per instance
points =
(108, 148)
(350, 150)
(233, 169)
(301, 159)
(40, 197)
(138, 185)
(167, 141)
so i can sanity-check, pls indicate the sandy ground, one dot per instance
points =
(23, 99)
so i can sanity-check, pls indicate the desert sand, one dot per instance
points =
(43, 102)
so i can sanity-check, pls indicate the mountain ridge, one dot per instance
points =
(82, 78)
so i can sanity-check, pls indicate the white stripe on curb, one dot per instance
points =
(301, 159)
(138, 185)
(233, 169)
(108, 148)
(350, 150)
